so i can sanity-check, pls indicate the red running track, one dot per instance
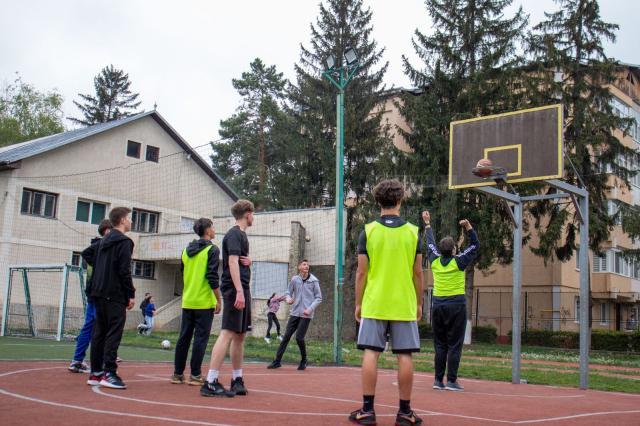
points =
(46, 393)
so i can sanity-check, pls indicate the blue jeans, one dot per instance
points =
(149, 321)
(84, 338)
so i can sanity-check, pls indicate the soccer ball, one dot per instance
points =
(166, 344)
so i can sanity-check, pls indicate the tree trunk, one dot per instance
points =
(261, 156)
(469, 275)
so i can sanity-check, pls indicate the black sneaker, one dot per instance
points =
(362, 417)
(454, 386)
(407, 419)
(94, 379)
(111, 380)
(274, 364)
(438, 385)
(215, 389)
(302, 365)
(78, 367)
(237, 386)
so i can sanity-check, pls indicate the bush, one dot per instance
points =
(425, 331)
(484, 334)
(600, 340)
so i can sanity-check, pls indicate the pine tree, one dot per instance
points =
(112, 100)
(254, 154)
(368, 150)
(569, 66)
(469, 67)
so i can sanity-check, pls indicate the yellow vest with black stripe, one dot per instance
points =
(447, 280)
(389, 293)
(197, 293)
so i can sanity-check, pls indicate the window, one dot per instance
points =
(603, 313)
(153, 153)
(143, 269)
(144, 221)
(613, 210)
(90, 211)
(186, 224)
(599, 263)
(576, 306)
(269, 278)
(577, 254)
(38, 203)
(133, 149)
(77, 260)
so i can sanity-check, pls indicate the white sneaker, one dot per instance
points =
(279, 337)
(266, 339)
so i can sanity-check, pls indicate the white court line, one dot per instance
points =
(576, 416)
(115, 413)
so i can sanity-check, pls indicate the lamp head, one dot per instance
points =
(330, 62)
(350, 55)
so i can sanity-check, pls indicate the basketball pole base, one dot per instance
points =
(467, 333)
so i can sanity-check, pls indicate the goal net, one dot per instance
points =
(46, 301)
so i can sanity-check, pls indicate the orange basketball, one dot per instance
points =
(484, 162)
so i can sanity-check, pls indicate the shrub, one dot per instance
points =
(600, 340)
(484, 334)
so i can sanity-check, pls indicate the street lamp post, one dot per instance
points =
(340, 77)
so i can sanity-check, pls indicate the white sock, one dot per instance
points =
(237, 373)
(212, 376)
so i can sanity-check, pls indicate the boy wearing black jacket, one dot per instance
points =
(113, 294)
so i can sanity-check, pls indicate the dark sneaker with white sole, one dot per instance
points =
(438, 385)
(362, 417)
(94, 379)
(215, 389)
(113, 381)
(237, 386)
(454, 386)
(407, 419)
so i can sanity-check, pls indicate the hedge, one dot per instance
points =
(600, 340)
(481, 334)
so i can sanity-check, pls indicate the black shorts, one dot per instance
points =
(237, 320)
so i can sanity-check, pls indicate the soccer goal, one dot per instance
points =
(46, 301)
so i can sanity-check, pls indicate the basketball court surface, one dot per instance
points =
(46, 393)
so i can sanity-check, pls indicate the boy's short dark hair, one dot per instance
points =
(104, 226)
(201, 225)
(117, 214)
(388, 193)
(446, 246)
(240, 208)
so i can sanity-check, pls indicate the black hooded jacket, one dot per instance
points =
(89, 255)
(111, 277)
(213, 259)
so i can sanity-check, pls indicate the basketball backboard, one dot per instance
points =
(527, 143)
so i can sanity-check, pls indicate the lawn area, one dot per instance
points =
(612, 371)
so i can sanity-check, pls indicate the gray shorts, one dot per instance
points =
(403, 335)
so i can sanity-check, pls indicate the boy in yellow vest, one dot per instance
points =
(389, 293)
(200, 300)
(449, 312)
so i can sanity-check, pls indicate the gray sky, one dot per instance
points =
(184, 54)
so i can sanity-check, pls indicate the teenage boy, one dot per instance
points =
(200, 300)
(305, 296)
(113, 294)
(389, 292)
(84, 338)
(449, 311)
(236, 306)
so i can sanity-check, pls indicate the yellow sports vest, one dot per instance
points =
(389, 293)
(197, 293)
(447, 280)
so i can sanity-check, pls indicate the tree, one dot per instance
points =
(113, 99)
(26, 113)
(469, 67)
(256, 149)
(569, 66)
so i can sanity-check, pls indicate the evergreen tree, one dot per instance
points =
(27, 113)
(469, 67)
(368, 150)
(569, 66)
(112, 100)
(257, 146)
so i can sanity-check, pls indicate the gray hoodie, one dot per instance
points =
(305, 294)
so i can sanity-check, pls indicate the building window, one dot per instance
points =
(90, 211)
(186, 224)
(144, 221)
(599, 263)
(153, 153)
(577, 258)
(613, 210)
(77, 260)
(143, 269)
(603, 313)
(38, 203)
(133, 149)
(269, 278)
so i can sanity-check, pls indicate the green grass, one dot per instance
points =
(147, 348)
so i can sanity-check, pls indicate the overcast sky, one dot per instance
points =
(183, 54)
